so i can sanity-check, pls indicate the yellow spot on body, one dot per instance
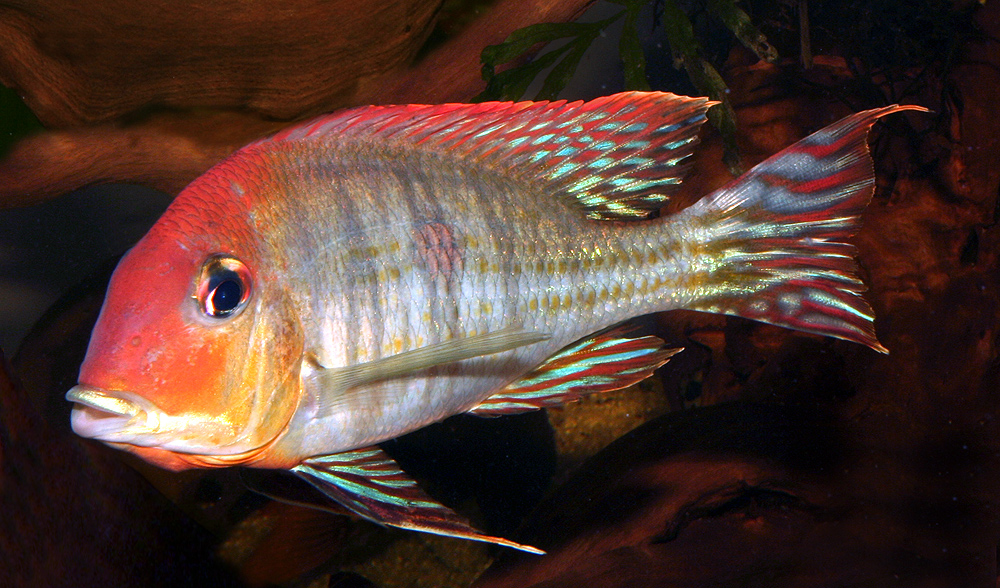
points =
(394, 273)
(486, 308)
(616, 291)
(397, 345)
(652, 257)
(533, 304)
(394, 246)
(554, 302)
(604, 294)
(591, 298)
(567, 301)
(515, 269)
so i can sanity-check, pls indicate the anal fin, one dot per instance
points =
(603, 362)
(371, 485)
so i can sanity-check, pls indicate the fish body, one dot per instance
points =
(361, 276)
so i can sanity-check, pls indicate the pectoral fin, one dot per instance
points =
(602, 362)
(370, 484)
(335, 382)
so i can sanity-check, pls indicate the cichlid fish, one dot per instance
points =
(360, 276)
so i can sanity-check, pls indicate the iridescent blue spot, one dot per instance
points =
(635, 127)
(604, 146)
(563, 169)
(516, 142)
(538, 155)
(636, 145)
(585, 183)
(600, 163)
(637, 161)
(489, 130)
(695, 119)
(567, 151)
(542, 139)
(606, 127)
(585, 139)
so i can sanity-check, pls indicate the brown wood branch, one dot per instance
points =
(166, 150)
(91, 61)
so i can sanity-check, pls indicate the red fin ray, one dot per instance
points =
(600, 363)
(778, 235)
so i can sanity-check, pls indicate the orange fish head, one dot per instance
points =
(195, 357)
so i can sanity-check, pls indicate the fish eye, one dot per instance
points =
(224, 287)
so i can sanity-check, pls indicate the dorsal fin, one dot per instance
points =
(618, 157)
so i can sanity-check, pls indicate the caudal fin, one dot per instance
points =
(777, 236)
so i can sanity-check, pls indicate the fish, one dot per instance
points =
(362, 275)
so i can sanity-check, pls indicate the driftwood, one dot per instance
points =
(169, 92)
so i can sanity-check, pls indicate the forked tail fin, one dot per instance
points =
(775, 240)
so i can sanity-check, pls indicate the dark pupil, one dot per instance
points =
(226, 297)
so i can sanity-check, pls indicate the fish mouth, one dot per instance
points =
(104, 414)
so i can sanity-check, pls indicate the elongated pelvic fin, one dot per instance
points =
(617, 157)
(777, 235)
(335, 382)
(600, 363)
(370, 484)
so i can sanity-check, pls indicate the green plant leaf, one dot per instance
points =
(630, 49)
(679, 31)
(739, 23)
(687, 51)
(511, 84)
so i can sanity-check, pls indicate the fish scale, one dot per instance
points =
(357, 277)
(492, 213)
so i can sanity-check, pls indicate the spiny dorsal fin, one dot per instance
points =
(619, 157)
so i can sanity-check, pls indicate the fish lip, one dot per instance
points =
(104, 414)
(103, 400)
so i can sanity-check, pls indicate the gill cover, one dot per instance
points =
(195, 357)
